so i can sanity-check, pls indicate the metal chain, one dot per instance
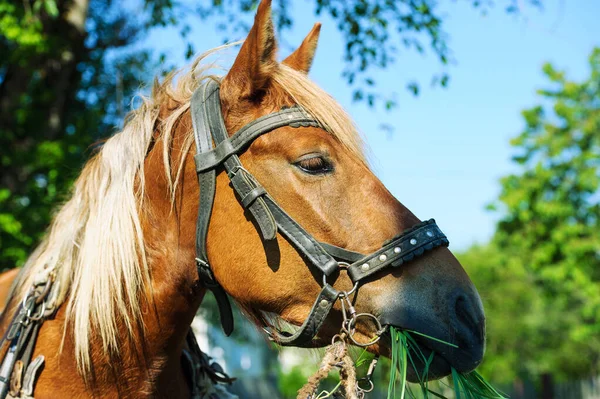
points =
(351, 317)
(346, 335)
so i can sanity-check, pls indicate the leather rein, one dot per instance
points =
(209, 128)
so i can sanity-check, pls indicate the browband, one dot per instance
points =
(209, 127)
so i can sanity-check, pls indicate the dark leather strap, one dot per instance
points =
(402, 248)
(302, 240)
(294, 117)
(342, 253)
(207, 183)
(245, 185)
(249, 198)
(304, 335)
(213, 115)
(206, 180)
(22, 335)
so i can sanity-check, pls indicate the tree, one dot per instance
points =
(58, 95)
(553, 207)
(376, 32)
(540, 275)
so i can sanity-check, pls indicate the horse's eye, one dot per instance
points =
(314, 164)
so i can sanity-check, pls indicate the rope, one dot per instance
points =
(348, 377)
(335, 356)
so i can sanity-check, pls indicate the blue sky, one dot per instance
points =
(450, 146)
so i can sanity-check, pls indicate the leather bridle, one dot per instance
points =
(209, 128)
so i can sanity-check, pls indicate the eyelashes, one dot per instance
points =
(314, 165)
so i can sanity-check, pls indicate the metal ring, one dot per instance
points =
(337, 337)
(352, 330)
(341, 294)
(29, 293)
(352, 290)
(40, 314)
(44, 293)
(344, 265)
(371, 385)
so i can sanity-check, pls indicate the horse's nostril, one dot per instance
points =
(470, 319)
(463, 314)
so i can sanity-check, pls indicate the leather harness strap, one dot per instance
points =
(18, 372)
(402, 248)
(209, 126)
(207, 182)
(247, 134)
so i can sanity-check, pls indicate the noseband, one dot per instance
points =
(209, 128)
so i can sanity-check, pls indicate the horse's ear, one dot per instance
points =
(301, 59)
(255, 63)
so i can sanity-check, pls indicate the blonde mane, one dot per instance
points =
(95, 244)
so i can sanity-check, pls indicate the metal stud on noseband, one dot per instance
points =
(216, 148)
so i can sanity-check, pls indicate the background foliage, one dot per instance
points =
(540, 274)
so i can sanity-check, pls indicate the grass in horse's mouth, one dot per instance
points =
(406, 351)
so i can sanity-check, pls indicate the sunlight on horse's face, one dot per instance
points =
(336, 198)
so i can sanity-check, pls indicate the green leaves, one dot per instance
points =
(539, 276)
(21, 27)
(58, 97)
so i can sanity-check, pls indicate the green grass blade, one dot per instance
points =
(466, 386)
(432, 338)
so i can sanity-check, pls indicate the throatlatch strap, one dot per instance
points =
(304, 336)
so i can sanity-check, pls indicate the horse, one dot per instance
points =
(287, 214)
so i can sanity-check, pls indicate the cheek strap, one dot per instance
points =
(209, 127)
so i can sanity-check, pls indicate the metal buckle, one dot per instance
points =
(207, 278)
(235, 171)
(368, 379)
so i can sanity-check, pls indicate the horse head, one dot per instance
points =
(318, 175)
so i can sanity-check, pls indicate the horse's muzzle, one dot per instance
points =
(455, 317)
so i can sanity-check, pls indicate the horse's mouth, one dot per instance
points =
(456, 342)
(438, 367)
